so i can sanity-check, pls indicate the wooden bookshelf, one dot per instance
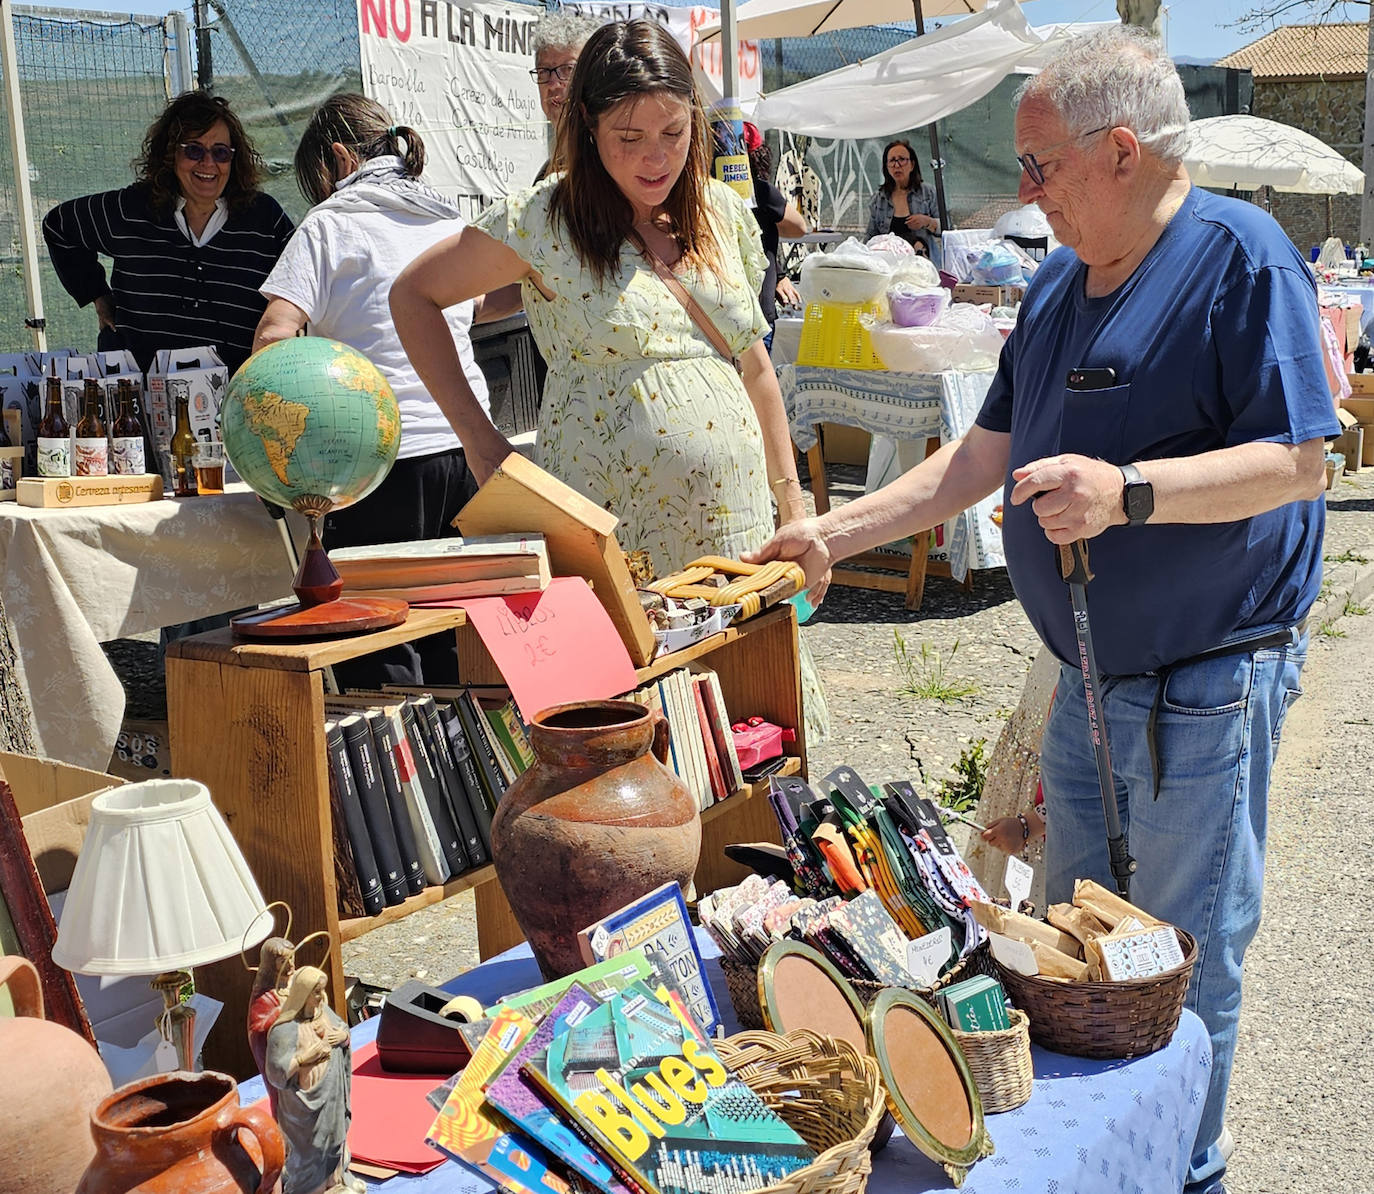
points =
(247, 720)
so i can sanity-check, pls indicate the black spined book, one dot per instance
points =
(384, 739)
(342, 781)
(428, 773)
(452, 783)
(467, 770)
(493, 785)
(362, 753)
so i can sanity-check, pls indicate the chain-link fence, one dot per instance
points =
(90, 88)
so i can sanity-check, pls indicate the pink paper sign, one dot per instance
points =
(552, 647)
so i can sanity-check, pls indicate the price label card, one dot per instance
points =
(1018, 880)
(1014, 955)
(927, 954)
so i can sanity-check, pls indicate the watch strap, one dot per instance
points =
(1132, 481)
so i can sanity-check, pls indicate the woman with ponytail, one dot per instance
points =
(372, 216)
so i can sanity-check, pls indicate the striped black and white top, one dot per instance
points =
(168, 293)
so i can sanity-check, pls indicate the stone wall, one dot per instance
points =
(1332, 110)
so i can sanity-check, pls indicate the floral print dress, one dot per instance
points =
(640, 412)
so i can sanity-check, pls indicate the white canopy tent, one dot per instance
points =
(806, 18)
(919, 81)
(1246, 152)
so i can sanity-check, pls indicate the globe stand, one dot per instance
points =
(320, 610)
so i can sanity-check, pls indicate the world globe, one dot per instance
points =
(311, 424)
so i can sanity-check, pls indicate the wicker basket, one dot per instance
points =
(1104, 1019)
(741, 980)
(829, 1095)
(1001, 1063)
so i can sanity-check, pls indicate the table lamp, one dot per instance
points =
(159, 886)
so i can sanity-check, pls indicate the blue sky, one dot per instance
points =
(1194, 28)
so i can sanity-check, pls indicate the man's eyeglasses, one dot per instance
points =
(1035, 169)
(194, 151)
(543, 74)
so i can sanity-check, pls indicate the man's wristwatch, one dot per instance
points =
(1137, 495)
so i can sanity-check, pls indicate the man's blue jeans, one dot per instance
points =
(1199, 846)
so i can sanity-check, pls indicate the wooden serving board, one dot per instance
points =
(61, 492)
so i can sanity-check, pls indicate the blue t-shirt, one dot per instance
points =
(1215, 342)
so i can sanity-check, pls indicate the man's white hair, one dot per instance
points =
(1116, 77)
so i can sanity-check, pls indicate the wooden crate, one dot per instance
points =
(49, 492)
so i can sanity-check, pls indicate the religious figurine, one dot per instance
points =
(276, 965)
(308, 1065)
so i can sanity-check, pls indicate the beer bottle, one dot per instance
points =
(92, 448)
(126, 436)
(183, 451)
(54, 443)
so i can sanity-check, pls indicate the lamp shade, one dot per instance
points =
(159, 885)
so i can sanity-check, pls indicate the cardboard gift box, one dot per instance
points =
(201, 377)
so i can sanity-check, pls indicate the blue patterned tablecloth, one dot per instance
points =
(902, 406)
(1090, 1127)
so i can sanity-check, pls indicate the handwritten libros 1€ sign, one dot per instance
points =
(552, 647)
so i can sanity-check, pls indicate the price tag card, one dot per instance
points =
(927, 954)
(1014, 955)
(551, 647)
(1018, 880)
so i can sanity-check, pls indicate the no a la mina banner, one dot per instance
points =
(457, 71)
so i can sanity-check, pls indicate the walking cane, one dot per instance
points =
(1073, 567)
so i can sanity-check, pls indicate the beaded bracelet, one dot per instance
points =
(1025, 827)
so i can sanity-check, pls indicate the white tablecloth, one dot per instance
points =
(902, 406)
(76, 578)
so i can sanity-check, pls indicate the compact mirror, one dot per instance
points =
(800, 988)
(930, 1089)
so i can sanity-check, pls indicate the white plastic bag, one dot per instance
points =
(965, 338)
(850, 273)
(916, 271)
(916, 306)
(998, 265)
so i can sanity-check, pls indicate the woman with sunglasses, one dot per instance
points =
(192, 239)
(904, 205)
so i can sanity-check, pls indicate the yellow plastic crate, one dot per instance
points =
(833, 336)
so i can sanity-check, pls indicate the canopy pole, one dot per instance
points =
(936, 161)
(729, 53)
(28, 230)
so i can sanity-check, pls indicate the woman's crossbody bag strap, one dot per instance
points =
(689, 304)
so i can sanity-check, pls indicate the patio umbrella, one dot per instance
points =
(805, 18)
(1246, 153)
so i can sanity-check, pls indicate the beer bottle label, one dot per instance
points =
(54, 456)
(126, 455)
(93, 457)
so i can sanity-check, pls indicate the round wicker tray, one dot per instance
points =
(829, 1093)
(1001, 1063)
(1123, 1019)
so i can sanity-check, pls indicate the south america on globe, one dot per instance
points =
(311, 424)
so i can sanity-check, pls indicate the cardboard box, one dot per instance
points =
(998, 296)
(845, 444)
(200, 376)
(58, 492)
(142, 751)
(1350, 444)
(1361, 386)
(11, 470)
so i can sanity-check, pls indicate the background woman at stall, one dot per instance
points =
(641, 412)
(191, 239)
(904, 204)
(371, 216)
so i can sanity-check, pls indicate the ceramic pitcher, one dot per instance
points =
(596, 822)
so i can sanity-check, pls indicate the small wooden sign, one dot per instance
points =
(59, 492)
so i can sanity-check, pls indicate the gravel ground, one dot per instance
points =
(1297, 1110)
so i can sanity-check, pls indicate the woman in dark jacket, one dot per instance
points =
(904, 205)
(192, 239)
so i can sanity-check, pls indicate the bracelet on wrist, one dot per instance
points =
(1025, 828)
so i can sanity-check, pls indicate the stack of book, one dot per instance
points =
(441, 570)
(606, 1081)
(701, 743)
(415, 778)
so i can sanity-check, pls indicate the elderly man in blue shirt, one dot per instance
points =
(1163, 396)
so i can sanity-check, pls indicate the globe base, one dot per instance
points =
(328, 619)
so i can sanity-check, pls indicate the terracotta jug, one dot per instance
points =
(597, 821)
(183, 1133)
(52, 1080)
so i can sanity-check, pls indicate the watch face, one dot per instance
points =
(1139, 500)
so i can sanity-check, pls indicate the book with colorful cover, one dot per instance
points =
(659, 923)
(469, 1132)
(529, 1108)
(639, 1076)
(602, 980)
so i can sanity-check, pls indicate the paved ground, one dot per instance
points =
(1298, 1106)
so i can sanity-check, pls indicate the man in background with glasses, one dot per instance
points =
(1163, 397)
(557, 39)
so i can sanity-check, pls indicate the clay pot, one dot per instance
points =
(182, 1133)
(596, 822)
(53, 1078)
